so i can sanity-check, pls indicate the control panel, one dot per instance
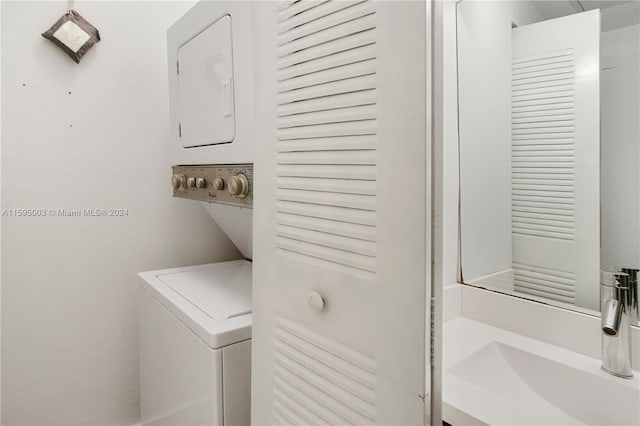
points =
(228, 184)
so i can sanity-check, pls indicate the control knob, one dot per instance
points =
(218, 184)
(239, 186)
(191, 182)
(178, 181)
(200, 183)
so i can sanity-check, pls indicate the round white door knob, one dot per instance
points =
(200, 183)
(316, 301)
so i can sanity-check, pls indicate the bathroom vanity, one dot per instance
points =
(503, 368)
(496, 377)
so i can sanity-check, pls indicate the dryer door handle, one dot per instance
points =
(227, 97)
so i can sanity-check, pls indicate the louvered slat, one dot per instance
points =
(323, 367)
(546, 57)
(339, 45)
(357, 69)
(336, 28)
(338, 143)
(363, 232)
(358, 113)
(328, 157)
(327, 127)
(329, 21)
(339, 186)
(543, 148)
(296, 8)
(287, 23)
(544, 282)
(347, 261)
(283, 4)
(348, 85)
(329, 212)
(365, 97)
(320, 381)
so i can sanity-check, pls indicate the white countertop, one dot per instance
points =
(498, 393)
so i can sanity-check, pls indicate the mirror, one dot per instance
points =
(549, 146)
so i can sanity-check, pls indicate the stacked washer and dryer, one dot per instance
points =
(195, 322)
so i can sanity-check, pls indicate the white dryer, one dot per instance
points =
(210, 53)
(195, 347)
(195, 322)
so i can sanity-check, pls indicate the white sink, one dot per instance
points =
(523, 377)
(495, 377)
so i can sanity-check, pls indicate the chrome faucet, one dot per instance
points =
(633, 293)
(616, 303)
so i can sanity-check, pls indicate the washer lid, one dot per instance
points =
(220, 290)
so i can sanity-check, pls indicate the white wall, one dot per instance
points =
(0, 227)
(89, 135)
(620, 15)
(484, 61)
(620, 148)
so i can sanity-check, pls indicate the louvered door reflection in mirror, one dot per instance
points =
(549, 146)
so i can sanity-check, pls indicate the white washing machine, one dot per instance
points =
(195, 347)
(195, 322)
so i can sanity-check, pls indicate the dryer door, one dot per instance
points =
(205, 87)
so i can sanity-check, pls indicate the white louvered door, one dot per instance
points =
(556, 159)
(339, 210)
